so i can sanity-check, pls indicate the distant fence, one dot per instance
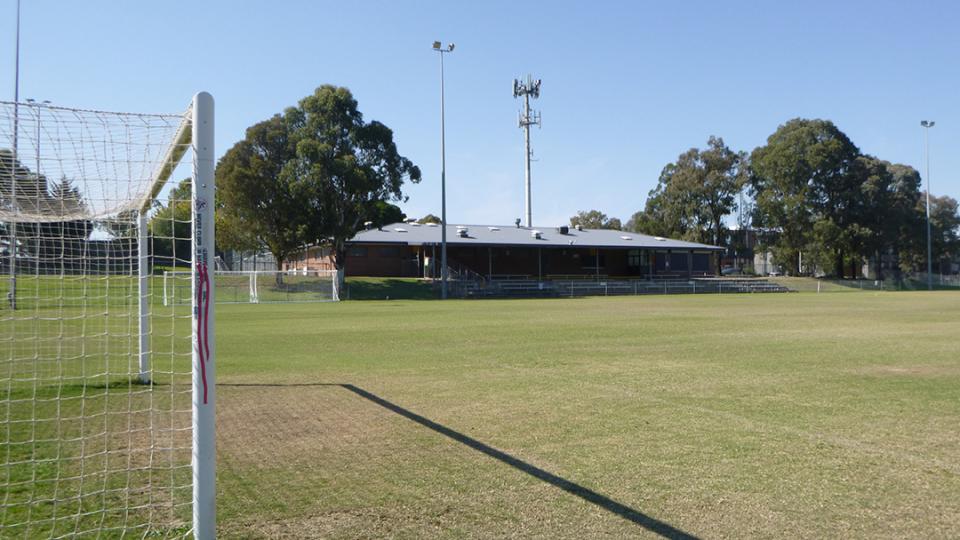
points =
(248, 261)
(512, 288)
(943, 280)
(831, 285)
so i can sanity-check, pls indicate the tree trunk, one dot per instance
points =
(897, 271)
(279, 275)
(838, 263)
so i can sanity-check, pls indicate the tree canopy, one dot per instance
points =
(429, 218)
(384, 213)
(816, 193)
(813, 193)
(595, 219)
(260, 195)
(48, 241)
(802, 176)
(170, 227)
(694, 194)
(347, 165)
(313, 174)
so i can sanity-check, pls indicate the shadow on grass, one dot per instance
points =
(639, 518)
(291, 285)
(390, 288)
(73, 389)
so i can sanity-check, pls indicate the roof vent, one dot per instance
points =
(659, 239)
(517, 221)
(579, 227)
(494, 228)
(431, 224)
(367, 225)
(563, 229)
(399, 229)
(536, 234)
(462, 232)
(414, 224)
(410, 220)
(625, 237)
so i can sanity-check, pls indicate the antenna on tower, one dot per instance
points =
(527, 89)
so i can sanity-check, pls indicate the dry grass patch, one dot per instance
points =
(915, 371)
(262, 426)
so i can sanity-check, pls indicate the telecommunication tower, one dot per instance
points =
(529, 88)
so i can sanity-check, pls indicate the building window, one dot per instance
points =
(633, 258)
(357, 251)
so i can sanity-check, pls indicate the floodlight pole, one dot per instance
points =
(926, 142)
(443, 176)
(12, 247)
(39, 105)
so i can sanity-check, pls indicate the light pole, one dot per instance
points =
(926, 142)
(12, 247)
(39, 105)
(443, 177)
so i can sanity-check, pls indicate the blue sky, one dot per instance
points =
(627, 86)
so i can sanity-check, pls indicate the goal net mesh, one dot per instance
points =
(95, 372)
(255, 286)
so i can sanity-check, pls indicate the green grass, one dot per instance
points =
(732, 416)
(716, 415)
(366, 288)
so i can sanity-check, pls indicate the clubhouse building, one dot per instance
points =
(491, 252)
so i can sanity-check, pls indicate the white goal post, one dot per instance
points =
(107, 393)
(256, 286)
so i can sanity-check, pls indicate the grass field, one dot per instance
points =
(710, 416)
(796, 415)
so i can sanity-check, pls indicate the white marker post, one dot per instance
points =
(144, 299)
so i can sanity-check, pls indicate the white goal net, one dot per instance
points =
(106, 394)
(255, 287)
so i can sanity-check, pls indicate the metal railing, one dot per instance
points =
(610, 287)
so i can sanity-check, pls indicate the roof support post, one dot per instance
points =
(596, 264)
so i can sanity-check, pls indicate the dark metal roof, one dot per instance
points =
(510, 235)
